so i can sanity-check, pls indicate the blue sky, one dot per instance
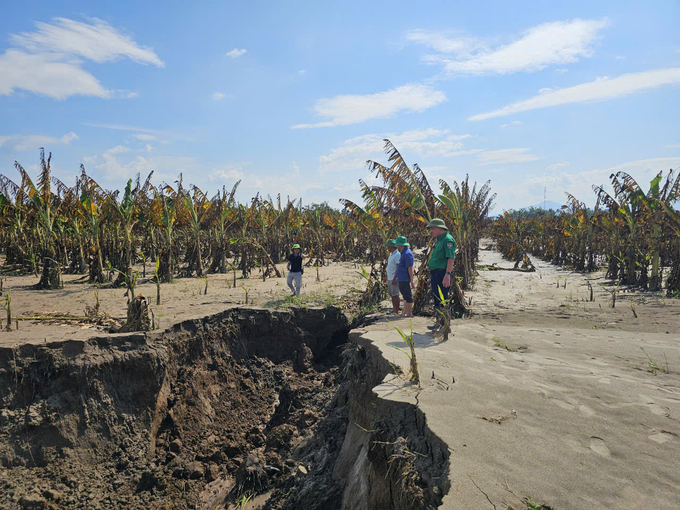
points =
(294, 97)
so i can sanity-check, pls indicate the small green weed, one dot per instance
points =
(532, 505)
(653, 367)
(502, 345)
(242, 501)
(413, 367)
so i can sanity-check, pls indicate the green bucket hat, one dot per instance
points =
(401, 241)
(437, 222)
(390, 244)
(296, 246)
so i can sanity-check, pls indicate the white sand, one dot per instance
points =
(584, 422)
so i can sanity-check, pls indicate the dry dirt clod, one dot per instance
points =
(195, 470)
(33, 502)
(53, 495)
(176, 446)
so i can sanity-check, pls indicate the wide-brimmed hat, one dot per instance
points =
(390, 243)
(437, 222)
(401, 241)
(296, 246)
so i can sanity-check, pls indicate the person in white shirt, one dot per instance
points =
(392, 263)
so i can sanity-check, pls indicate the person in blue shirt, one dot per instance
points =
(404, 276)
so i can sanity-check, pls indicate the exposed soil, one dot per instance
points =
(244, 402)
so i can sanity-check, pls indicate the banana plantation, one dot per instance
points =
(177, 230)
(633, 232)
(50, 228)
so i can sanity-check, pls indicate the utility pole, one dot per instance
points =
(544, 192)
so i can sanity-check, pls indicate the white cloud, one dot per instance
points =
(504, 156)
(145, 137)
(444, 44)
(513, 123)
(69, 137)
(601, 89)
(354, 152)
(219, 96)
(229, 173)
(289, 182)
(120, 127)
(165, 142)
(347, 187)
(118, 149)
(48, 61)
(156, 132)
(672, 146)
(149, 147)
(353, 109)
(620, 57)
(45, 75)
(562, 70)
(302, 71)
(555, 166)
(90, 159)
(317, 125)
(458, 137)
(236, 53)
(530, 190)
(98, 41)
(32, 142)
(165, 168)
(559, 42)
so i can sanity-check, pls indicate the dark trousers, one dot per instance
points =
(436, 279)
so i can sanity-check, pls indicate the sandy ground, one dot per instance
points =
(553, 398)
(181, 300)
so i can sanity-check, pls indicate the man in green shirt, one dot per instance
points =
(440, 265)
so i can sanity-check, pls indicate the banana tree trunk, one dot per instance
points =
(50, 278)
(81, 257)
(673, 282)
(199, 260)
(655, 280)
(165, 268)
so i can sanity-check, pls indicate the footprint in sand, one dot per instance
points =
(605, 380)
(662, 437)
(502, 378)
(598, 445)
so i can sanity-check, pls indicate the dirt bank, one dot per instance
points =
(244, 402)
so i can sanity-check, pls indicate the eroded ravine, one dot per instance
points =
(246, 401)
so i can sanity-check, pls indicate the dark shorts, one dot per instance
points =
(405, 289)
